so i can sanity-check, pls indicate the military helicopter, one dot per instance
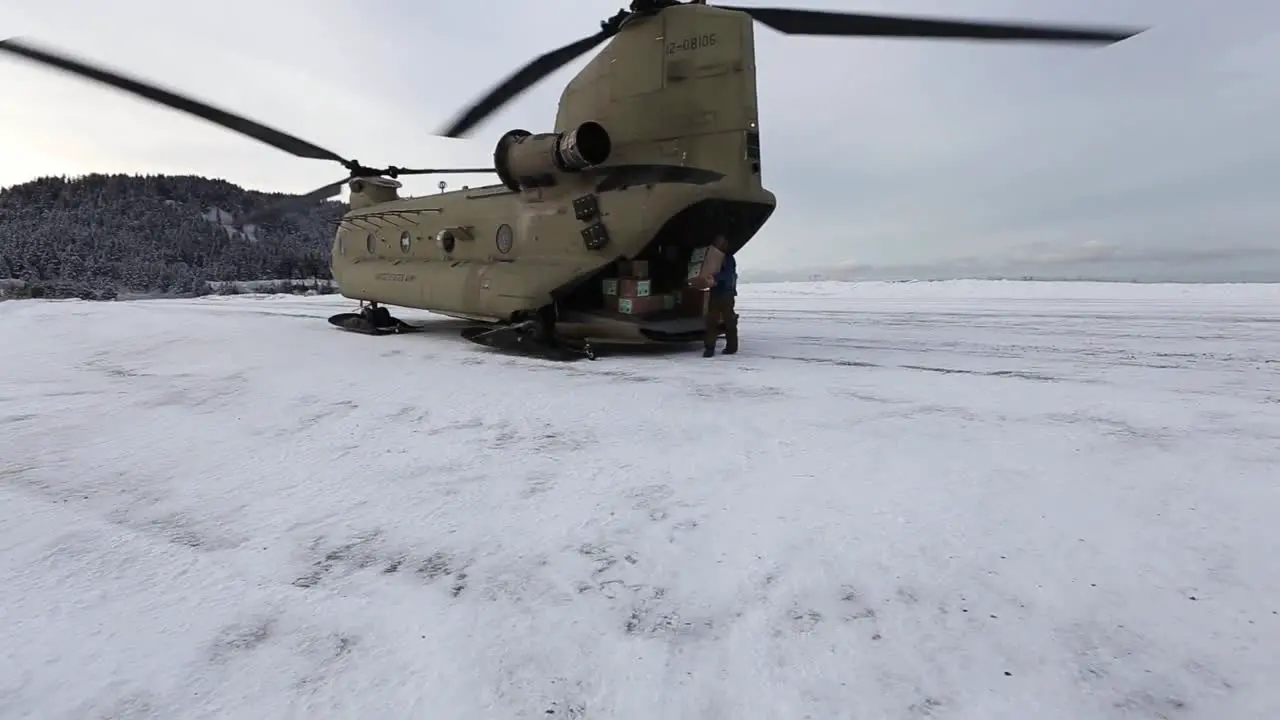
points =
(594, 228)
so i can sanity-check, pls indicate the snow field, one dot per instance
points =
(903, 500)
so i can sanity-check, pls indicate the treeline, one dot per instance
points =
(101, 236)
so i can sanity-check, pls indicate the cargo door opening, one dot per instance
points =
(653, 286)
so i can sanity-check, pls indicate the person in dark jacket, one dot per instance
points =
(720, 304)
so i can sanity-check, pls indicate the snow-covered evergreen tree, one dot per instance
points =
(97, 235)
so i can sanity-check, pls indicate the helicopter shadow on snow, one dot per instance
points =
(604, 353)
(666, 350)
(435, 329)
(432, 330)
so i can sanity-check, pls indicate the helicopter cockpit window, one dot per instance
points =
(371, 243)
(446, 241)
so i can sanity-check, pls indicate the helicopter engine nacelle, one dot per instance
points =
(524, 161)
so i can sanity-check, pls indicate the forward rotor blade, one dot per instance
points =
(825, 22)
(295, 201)
(270, 136)
(523, 79)
(438, 171)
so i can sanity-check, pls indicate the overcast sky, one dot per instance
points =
(880, 151)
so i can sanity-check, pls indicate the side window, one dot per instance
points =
(446, 240)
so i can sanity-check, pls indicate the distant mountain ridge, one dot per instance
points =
(100, 235)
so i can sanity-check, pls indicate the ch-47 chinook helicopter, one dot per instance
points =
(655, 151)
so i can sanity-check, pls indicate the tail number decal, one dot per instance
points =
(690, 44)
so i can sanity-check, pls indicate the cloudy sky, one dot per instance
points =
(882, 152)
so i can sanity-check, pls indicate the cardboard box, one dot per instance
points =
(640, 305)
(712, 263)
(706, 262)
(638, 269)
(692, 303)
(611, 287)
(633, 288)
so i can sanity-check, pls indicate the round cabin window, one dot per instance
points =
(370, 243)
(446, 241)
(505, 239)
(405, 241)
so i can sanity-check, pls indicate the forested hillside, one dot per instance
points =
(100, 235)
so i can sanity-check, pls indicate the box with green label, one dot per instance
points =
(633, 288)
(641, 305)
(705, 267)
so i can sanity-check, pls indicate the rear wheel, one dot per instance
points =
(379, 316)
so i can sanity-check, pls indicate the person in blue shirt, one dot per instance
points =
(720, 304)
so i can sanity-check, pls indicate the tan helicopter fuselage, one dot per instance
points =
(676, 94)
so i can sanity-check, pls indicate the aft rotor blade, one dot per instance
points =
(275, 138)
(292, 202)
(826, 22)
(522, 80)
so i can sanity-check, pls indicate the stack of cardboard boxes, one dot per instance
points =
(632, 292)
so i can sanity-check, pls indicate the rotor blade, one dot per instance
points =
(292, 202)
(439, 171)
(824, 22)
(275, 138)
(520, 81)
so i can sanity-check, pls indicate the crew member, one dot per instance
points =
(723, 292)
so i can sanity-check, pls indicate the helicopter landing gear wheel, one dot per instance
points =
(372, 319)
(378, 316)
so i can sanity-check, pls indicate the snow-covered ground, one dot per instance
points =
(925, 500)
